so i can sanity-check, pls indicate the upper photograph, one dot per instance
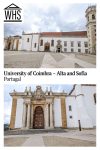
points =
(51, 35)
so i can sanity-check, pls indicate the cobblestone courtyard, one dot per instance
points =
(22, 59)
(71, 138)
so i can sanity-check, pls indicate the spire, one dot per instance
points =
(50, 89)
(26, 89)
(30, 89)
(14, 91)
(46, 89)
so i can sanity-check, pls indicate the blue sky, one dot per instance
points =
(20, 88)
(42, 17)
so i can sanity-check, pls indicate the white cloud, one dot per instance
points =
(50, 16)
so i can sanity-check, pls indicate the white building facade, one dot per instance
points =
(77, 41)
(47, 109)
(56, 42)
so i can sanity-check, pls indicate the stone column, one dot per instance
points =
(63, 113)
(24, 115)
(51, 116)
(13, 113)
(32, 116)
(46, 116)
(28, 116)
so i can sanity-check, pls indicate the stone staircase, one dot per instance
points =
(33, 131)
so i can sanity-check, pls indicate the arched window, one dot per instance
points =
(93, 16)
(41, 43)
(52, 42)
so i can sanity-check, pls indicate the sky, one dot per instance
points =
(49, 17)
(21, 88)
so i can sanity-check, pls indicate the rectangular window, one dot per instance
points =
(41, 43)
(65, 49)
(79, 44)
(85, 44)
(70, 117)
(27, 39)
(65, 43)
(72, 50)
(79, 50)
(34, 45)
(52, 42)
(72, 43)
(70, 108)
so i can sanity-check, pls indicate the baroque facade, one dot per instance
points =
(78, 41)
(40, 109)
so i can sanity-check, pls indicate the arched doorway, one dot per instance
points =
(38, 120)
(47, 47)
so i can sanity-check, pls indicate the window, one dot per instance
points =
(88, 18)
(70, 108)
(79, 44)
(72, 50)
(65, 43)
(72, 43)
(65, 49)
(79, 50)
(52, 42)
(94, 98)
(41, 43)
(93, 16)
(34, 45)
(27, 39)
(85, 44)
(86, 51)
(70, 117)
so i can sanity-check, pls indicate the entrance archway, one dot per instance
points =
(47, 47)
(38, 120)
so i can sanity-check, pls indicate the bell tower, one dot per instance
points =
(91, 28)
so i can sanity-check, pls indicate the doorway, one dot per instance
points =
(47, 47)
(38, 118)
(58, 50)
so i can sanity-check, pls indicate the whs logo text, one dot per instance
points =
(12, 13)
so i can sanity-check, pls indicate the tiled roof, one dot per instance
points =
(59, 34)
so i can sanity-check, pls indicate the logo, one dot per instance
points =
(12, 13)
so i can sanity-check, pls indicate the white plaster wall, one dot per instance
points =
(83, 116)
(68, 39)
(35, 39)
(14, 46)
(19, 113)
(57, 113)
(89, 102)
(71, 122)
(27, 45)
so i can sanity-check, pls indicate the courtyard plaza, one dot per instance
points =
(22, 59)
(57, 138)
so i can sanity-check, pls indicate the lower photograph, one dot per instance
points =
(60, 115)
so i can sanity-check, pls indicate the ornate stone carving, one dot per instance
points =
(39, 94)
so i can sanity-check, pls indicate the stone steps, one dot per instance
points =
(33, 131)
